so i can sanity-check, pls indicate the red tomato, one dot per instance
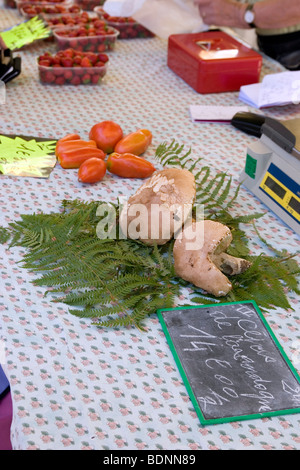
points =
(106, 134)
(128, 165)
(92, 170)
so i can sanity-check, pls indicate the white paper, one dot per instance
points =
(215, 113)
(250, 94)
(122, 7)
(276, 89)
(2, 92)
(162, 17)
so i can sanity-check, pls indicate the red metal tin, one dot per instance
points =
(213, 61)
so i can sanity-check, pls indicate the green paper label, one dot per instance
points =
(250, 168)
(25, 33)
(26, 157)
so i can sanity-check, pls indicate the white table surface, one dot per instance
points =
(75, 386)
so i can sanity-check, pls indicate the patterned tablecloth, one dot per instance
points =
(75, 386)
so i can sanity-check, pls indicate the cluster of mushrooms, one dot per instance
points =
(200, 245)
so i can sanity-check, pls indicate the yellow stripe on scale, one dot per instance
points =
(281, 194)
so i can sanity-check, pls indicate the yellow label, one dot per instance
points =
(25, 33)
(281, 194)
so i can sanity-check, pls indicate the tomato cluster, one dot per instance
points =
(72, 67)
(87, 37)
(104, 138)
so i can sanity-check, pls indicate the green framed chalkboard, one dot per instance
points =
(231, 362)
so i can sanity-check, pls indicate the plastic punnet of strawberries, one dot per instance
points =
(72, 67)
(30, 9)
(73, 19)
(86, 37)
(128, 27)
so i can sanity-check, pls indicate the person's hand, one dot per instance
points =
(221, 12)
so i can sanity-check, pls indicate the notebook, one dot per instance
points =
(210, 113)
(278, 89)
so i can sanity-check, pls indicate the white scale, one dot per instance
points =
(272, 170)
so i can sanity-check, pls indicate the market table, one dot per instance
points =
(75, 386)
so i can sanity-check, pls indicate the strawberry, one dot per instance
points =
(77, 59)
(75, 80)
(46, 55)
(86, 78)
(67, 62)
(99, 23)
(55, 60)
(68, 74)
(60, 80)
(92, 57)
(69, 53)
(85, 62)
(45, 63)
(49, 77)
(102, 57)
(60, 54)
(95, 78)
(79, 71)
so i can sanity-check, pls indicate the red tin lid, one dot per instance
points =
(213, 46)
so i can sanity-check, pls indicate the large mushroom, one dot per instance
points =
(160, 206)
(200, 257)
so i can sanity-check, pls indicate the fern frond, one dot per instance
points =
(213, 191)
(4, 235)
(119, 282)
(171, 155)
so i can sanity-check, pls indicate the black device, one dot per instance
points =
(10, 67)
(250, 123)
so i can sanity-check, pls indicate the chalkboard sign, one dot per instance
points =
(231, 363)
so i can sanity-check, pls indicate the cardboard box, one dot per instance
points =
(213, 61)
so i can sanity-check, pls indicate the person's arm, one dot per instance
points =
(269, 14)
(277, 13)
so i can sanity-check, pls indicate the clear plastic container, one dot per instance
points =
(69, 38)
(30, 9)
(9, 4)
(89, 5)
(71, 75)
(127, 26)
(63, 20)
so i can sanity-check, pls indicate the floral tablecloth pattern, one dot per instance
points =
(75, 386)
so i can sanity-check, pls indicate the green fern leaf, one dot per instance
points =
(118, 283)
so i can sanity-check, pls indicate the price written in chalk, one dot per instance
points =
(232, 365)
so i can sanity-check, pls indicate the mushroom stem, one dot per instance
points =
(206, 263)
(230, 265)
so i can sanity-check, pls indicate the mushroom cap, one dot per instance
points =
(193, 251)
(159, 207)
